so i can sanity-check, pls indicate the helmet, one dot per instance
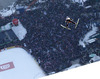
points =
(67, 18)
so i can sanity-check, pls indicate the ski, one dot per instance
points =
(77, 23)
(65, 27)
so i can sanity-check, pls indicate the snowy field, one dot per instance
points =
(16, 63)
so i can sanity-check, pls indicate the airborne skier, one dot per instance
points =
(69, 20)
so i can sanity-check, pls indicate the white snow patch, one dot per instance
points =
(19, 31)
(34, 8)
(79, 1)
(30, 51)
(91, 40)
(51, 73)
(67, 5)
(86, 40)
(25, 45)
(90, 71)
(74, 66)
(25, 65)
(88, 7)
(94, 58)
(19, 6)
(8, 12)
(5, 27)
(42, 1)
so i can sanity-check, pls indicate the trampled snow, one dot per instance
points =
(86, 40)
(25, 67)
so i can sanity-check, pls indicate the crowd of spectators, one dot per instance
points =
(53, 46)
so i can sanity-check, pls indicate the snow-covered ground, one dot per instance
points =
(12, 9)
(73, 66)
(6, 3)
(16, 63)
(7, 12)
(86, 40)
(90, 71)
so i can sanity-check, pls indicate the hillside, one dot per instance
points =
(54, 47)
